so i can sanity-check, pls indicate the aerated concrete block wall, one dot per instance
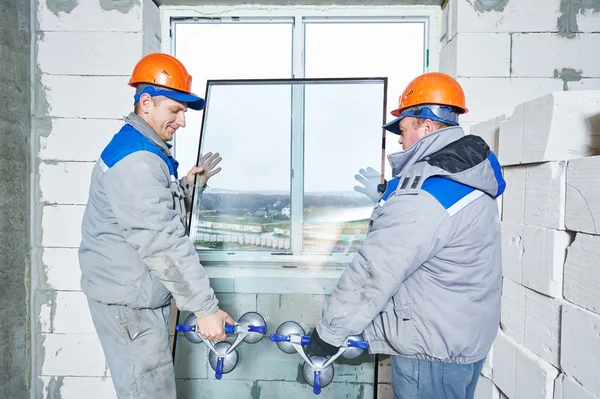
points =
(549, 344)
(84, 54)
(506, 52)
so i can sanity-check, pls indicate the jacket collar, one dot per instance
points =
(144, 128)
(403, 160)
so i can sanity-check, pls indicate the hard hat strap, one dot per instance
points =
(432, 111)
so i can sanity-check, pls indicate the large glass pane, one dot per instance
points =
(246, 49)
(340, 121)
(248, 203)
(291, 150)
(350, 49)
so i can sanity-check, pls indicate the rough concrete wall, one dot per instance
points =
(548, 345)
(14, 196)
(84, 54)
(508, 52)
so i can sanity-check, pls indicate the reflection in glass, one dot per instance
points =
(248, 202)
(342, 135)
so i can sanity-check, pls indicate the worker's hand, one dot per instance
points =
(212, 327)
(205, 169)
(369, 179)
(318, 347)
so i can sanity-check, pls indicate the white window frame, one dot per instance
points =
(430, 16)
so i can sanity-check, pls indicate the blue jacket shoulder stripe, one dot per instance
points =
(128, 141)
(452, 195)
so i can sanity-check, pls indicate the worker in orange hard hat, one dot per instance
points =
(434, 97)
(425, 286)
(134, 254)
(163, 75)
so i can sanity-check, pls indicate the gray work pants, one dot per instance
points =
(137, 350)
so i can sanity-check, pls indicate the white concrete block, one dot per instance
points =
(566, 388)
(385, 391)
(89, 16)
(89, 53)
(73, 387)
(505, 365)
(544, 258)
(513, 202)
(545, 194)
(486, 389)
(582, 274)
(510, 138)
(580, 347)
(151, 20)
(512, 250)
(103, 97)
(445, 26)
(547, 118)
(384, 370)
(583, 195)
(72, 355)
(45, 317)
(542, 326)
(448, 57)
(65, 139)
(62, 268)
(453, 7)
(499, 202)
(534, 377)
(512, 317)
(584, 84)
(488, 131)
(507, 16)
(68, 313)
(507, 93)
(72, 314)
(573, 53)
(65, 182)
(150, 45)
(61, 225)
(483, 54)
(488, 365)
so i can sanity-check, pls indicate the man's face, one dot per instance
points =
(165, 116)
(412, 130)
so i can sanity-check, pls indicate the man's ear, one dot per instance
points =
(429, 128)
(145, 102)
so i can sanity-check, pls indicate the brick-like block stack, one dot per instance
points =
(548, 346)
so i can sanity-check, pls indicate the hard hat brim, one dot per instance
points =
(393, 126)
(193, 101)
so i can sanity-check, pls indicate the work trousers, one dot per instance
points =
(420, 379)
(137, 350)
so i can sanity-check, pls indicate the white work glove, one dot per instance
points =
(369, 178)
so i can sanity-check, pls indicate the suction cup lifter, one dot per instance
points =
(223, 356)
(290, 337)
(318, 371)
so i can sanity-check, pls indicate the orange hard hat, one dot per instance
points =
(433, 95)
(166, 71)
(434, 88)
